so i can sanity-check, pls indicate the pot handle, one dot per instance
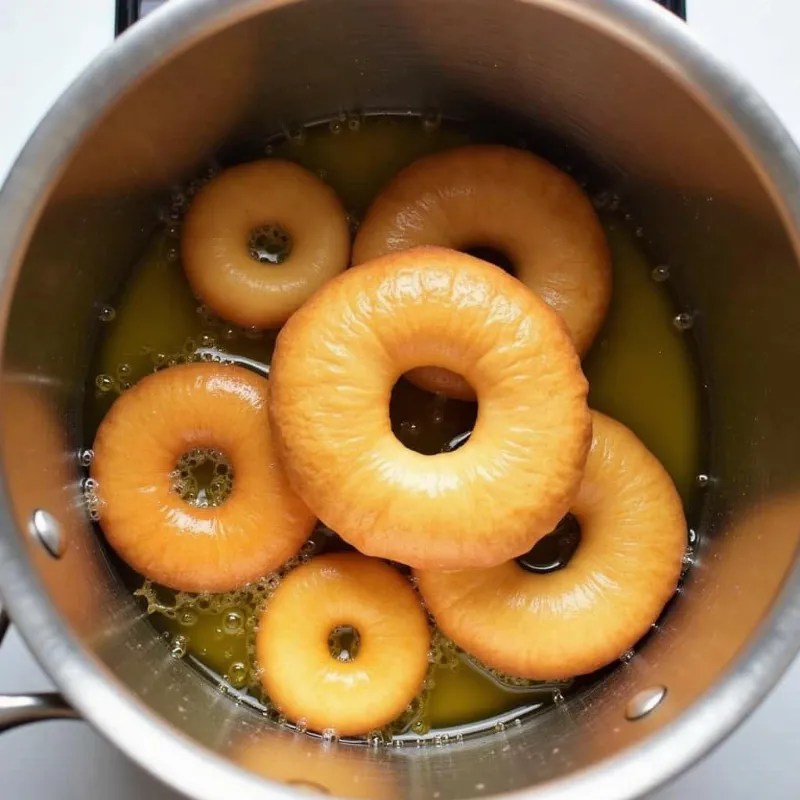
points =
(20, 709)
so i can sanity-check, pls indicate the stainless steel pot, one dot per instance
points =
(716, 182)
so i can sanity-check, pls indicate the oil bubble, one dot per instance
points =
(409, 428)
(233, 622)
(237, 674)
(421, 727)
(85, 457)
(660, 273)
(683, 321)
(329, 735)
(105, 383)
(188, 618)
(601, 200)
(353, 122)
(178, 199)
(107, 313)
(179, 647)
(335, 126)
(702, 480)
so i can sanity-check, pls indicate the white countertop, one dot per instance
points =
(43, 45)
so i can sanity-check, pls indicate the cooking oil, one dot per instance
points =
(641, 370)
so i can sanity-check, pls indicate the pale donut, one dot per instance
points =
(215, 241)
(299, 673)
(586, 615)
(509, 200)
(261, 524)
(333, 370)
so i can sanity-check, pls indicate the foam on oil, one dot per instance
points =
(640, 369)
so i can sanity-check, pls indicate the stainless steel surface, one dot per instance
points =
(45, 529)
(595, 81)
(644, 702)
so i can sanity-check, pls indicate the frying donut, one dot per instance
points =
(333, 370)
(301, 675)
(509, 200)
(278, 198)
(587, 614)
(260, 525)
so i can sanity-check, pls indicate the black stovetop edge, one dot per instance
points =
(127, 12)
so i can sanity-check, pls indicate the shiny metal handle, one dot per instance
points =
(20, 709)
(4, 623)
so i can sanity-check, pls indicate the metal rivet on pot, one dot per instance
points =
(642, 703)
(308, 786)
(45, 529)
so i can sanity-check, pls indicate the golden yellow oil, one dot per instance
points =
(640, 368)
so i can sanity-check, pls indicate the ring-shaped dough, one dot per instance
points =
(332, 374)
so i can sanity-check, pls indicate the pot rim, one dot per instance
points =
(92, 689)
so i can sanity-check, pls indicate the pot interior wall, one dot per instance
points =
(547, 67)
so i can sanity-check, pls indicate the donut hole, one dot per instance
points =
(425, 422)
(344, 642)
(269, 244)
(554, 551)
(203, 477)
(493, 256)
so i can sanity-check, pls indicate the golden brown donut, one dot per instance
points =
(300, 674)
(261, 524)
(586, 615)
(333, 370)
(509, 200)
(216, 233)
